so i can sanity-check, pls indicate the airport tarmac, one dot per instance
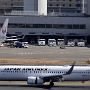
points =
(46, 53)
(41, 87)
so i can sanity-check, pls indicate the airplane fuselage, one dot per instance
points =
(21, 73)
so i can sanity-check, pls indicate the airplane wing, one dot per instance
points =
(11, 40)
(60, 76)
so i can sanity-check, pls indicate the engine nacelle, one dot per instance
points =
(35, 80)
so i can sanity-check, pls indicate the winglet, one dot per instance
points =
(71, 69)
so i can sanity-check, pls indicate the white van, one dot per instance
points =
(51, 42)
(41, 42)
(81, 43)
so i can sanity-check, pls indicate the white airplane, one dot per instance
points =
(40, 74)
(3, 30)
(14, 38)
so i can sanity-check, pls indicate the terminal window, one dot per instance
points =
(29, 25)
(35, 25)
(56, 26)
(76, 27)
(21, 25)
(82, 26)
(69, 27)
(62, 26)
(41, 25)
(13, 25)
(48, 25)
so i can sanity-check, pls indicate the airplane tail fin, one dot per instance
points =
(3, 30)
(71, 69)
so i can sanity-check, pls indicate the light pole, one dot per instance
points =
(4, 9)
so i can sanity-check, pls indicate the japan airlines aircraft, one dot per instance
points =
(41, 74)
(3, 30)
(14, 38)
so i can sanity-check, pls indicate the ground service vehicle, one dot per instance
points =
(51, 42)
(81, 43)
(18, 44)
(41, 42)
(61, 43)
(71, 43)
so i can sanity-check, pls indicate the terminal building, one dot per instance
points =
(65, 6)
(35, 22)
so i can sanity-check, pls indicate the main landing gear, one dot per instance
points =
(51, 84)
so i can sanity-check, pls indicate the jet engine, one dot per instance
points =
(35, 80)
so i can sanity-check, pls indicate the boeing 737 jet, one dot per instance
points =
(41, 74)
(3, 30)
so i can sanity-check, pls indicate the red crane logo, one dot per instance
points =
(3, 30)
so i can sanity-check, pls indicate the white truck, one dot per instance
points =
(41, 42)
(61, 43)
(71, 43)
(51, 42)
(18, 44)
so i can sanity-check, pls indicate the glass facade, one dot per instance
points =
(52, 26)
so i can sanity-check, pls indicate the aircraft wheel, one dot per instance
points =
(51, 84)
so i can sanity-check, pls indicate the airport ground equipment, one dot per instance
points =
(61, 43)
(20, 44)
(51, 42)
(41, 42)
(76, 42)
(81, 43)
(88, 61)
(71, 43)
(32, 41)
(25, 44)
